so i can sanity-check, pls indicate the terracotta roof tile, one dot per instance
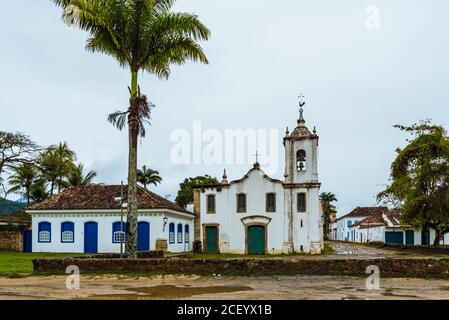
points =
(366, 212)
(102, 197)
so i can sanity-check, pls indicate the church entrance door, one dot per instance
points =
(256, 239)
(212, 239)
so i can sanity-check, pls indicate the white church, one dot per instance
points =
(258, 214)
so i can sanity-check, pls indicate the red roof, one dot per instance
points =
(366, 212)
(97, 197)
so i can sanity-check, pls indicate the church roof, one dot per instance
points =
(301, 131)
(101, 197)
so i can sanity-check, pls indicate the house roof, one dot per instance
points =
(365, 212)
(372, 221)
(97, 197)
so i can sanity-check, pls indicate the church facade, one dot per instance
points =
(258, 214)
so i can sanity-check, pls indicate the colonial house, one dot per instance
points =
(89, 219)
(379, 224)
(387, 228)
(258, 214)
(342, 229)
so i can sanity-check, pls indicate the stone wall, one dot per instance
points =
(11, 239)
(350, 267)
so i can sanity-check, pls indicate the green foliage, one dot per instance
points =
(148, 176)
(22, 179)
(185, 193)
(420, 178)
(326, 201)
(76, 176)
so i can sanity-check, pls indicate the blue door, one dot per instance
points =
(90, 237)
(143, 236)
(410, 237)
(27, 241)
(393, 237)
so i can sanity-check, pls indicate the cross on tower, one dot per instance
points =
(257, 156)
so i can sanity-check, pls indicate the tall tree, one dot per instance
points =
(142, 35)
(327, 198)
(15, 148)
(185, 192)
(420, 179)
(147, 176)
(77, 177)
(22, 179)
(55, 164)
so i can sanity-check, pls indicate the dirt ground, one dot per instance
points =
(193, 287)
(217, 287)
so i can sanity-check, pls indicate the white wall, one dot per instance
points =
(231, 229)
(105, 221)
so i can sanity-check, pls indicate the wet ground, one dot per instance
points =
(193, 287)
(216, 287)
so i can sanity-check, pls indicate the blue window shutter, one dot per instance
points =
(44, 232)
(116, 227)
(186, 234)
(171, 235)
(68, 232)
(179, 233)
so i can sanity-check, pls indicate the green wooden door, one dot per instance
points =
(212, 239)
(256, 240)
(409, 237)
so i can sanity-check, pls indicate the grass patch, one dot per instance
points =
(20, 264)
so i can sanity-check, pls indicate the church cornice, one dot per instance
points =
(306, 185)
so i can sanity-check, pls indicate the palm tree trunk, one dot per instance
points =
(132, 215)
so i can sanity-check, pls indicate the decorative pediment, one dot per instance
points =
(257, 219)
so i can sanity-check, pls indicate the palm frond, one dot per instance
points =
(118, 119)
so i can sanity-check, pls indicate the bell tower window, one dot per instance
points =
(300, 160)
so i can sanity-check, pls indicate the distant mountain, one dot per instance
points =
(8, 206)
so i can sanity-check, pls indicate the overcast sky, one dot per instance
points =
(358, 82)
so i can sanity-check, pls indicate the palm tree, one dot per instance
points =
(77, 178)
(55, 164)
(142, 35)
(22, 179)
(326, 201)
(38, 191)
(148, 176)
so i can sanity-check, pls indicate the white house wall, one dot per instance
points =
(105, 221)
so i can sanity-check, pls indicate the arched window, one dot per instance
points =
(179, 233)
(67, 232)
(301, 160)
(44, 232)
(171, 233)
(186, 233)
(118, 232)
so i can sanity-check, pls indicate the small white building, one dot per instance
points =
(88, 219)
(343, 231)
(258, 214)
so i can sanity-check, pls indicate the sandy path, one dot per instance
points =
(193, 287)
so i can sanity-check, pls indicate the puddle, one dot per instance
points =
(169, 292)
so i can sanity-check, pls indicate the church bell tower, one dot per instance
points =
(301, 152)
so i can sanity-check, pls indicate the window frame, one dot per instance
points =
(39, 228)
(240, 209)
(211, 210)
(179, 233)
(122, 233)
(171, 233)
(186, 233)
(71, 229)
(301, 153)
(301, 209)
(267, 207)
